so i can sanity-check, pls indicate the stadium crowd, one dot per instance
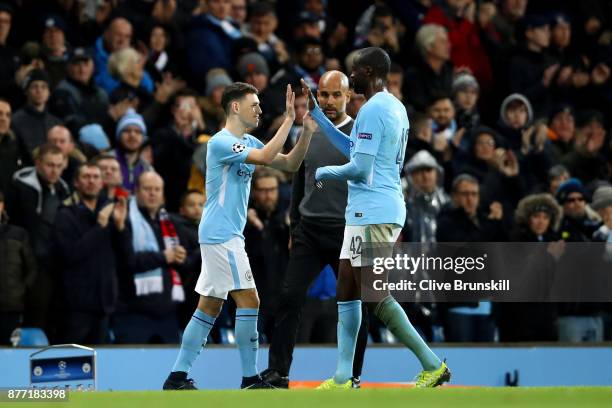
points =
(106, 108)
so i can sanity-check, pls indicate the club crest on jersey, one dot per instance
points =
(238, 147)
(367, 136)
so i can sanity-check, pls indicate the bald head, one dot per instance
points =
(333, 95)
(118, 35)
(334, 79)
(150, 192)
(61, 137)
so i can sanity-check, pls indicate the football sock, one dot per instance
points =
(194, 339)
(247, 339)
(393, 316)
(349, 320)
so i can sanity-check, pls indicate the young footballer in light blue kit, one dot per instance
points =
(230, 162)
(375, 211)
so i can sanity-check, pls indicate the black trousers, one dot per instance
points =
(313, 247)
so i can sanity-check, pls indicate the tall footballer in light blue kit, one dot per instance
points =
(230, 162)
(375, 211)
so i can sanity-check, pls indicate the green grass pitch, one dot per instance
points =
(377, 398)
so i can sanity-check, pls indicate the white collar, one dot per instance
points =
(344, 122)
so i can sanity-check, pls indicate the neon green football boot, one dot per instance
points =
(434, 378)
(330, 384)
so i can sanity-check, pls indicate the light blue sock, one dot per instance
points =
(247, 339)
(349, 321)
(194, 339)
(393, 316)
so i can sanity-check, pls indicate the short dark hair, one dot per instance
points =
(376, 58)
(48, 148)
(436, 97)
(187, 194)
(381, 11)
(81, 166)
(234, 92)
(303, 43)
(261, 8)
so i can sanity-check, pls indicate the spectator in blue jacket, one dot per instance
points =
(209, 40)
(117, 37)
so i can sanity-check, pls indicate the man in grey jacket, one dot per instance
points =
(317, 230)
(33, 199)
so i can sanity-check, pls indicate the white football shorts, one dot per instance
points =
(225, 268)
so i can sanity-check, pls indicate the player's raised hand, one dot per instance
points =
(312, 103)
(310, 126)
(290, 103)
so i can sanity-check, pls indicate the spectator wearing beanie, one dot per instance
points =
(579, 221)
(130, 135)
(466, 92)
(253, 69)
(214, 114)
(32, 122)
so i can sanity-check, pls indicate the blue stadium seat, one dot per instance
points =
(30, 337)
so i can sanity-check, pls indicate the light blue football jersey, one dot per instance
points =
(228, 184)
(380, 130)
